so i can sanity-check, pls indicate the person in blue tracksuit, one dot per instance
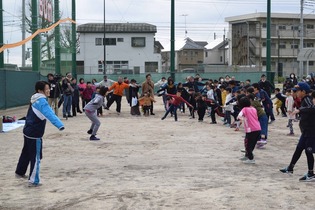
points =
(35, 123)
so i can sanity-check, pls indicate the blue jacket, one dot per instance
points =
(37, 114)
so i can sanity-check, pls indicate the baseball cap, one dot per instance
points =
(302, 86)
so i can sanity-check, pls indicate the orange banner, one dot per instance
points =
(43, 30)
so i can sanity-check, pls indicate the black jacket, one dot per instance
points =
(307, 114)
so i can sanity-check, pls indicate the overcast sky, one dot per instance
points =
(204, 18)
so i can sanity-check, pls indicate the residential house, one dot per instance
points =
(129, 48)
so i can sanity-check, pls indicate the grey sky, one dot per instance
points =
(204, 17)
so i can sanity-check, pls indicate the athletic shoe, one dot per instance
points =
(89, 131)
(271, 121)
(236, 129)
(307, 178)
(227, 125)
(34, 185)
(260, 146)
(213, 123)
(262, 141)
(286, 170)
(244, 158)
(290, 134)
(94, 138)
(248, 161)
(243, 150)
(18, 176)
(163, 118)
(152, 113)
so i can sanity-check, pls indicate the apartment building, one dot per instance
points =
(247, 41)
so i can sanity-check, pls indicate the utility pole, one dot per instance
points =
(35, 40)
(224, 46)
(1, 36)
(173, 39)
(57, 40)
(104, 41)
(23, 33)
(74, 42)
(268, 54)
(301, 39)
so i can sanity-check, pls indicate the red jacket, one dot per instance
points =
(87, 93)
(177, 100)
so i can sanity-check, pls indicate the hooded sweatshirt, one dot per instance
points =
(38, 111)
(95, 103)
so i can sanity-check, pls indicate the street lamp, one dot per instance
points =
(104, 42)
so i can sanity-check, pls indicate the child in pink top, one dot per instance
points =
(252, 128)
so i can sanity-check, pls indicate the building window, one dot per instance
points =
(221, 59)
(118, 67)
(100, 66)
(151, 66)
(206, 54)
(311, 63)
(294, 28)
(294, 46)
(138, 41)
(98, 41)
(264, 44)
(282, 45)
(264, 25)
(309, 26)
(310, 44)
(110, 41)
(120, 39)
(282, 27)
(264, 63)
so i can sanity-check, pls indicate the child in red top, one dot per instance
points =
(87, 93)
(175, 102)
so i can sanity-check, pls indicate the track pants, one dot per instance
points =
(31, 153)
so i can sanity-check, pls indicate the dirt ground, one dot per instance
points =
(146, 163)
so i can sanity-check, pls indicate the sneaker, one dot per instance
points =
(286, 170)
(18, 176)
(307, 178)
(34, 185)
(271, 121)
(89, 131)
(213, 123)
(262, 141)
(244, 158)
(290, 134)
(236, 129)
(94, 138)
(163, 118)
(152, 113)
(248, 161)
(227, 125)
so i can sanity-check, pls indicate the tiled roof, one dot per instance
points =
(117, 28)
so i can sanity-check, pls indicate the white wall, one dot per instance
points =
(122, 51)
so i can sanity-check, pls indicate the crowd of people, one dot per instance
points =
(232, 101)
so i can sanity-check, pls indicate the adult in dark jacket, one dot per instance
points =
(55, 90)
(307, 127)
(195, 84)
(265, 85)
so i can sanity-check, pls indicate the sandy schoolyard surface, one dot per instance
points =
(147, 163)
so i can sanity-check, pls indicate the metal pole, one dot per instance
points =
(35, 40)
(57, 40)
(301, 39)
(268, 56)
(74, 42)
(104, 41)
(23, 33)
(278, 73)
(1, 36)
(173, 39)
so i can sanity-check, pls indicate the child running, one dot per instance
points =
(91, 112)
(289, 103)
(252, 129)
(175, 101)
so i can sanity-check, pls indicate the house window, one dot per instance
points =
(98, 41)
(311, 63)
(264, 44)
(309, 26)
(264, 25)
(118, 67)
(151, 66)
(120, 39)
(100, 66)
(206, 54)
(138, 41)
(294, 46)
(282, 27)
(294, 28)
(221, 59)
(110, 41)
